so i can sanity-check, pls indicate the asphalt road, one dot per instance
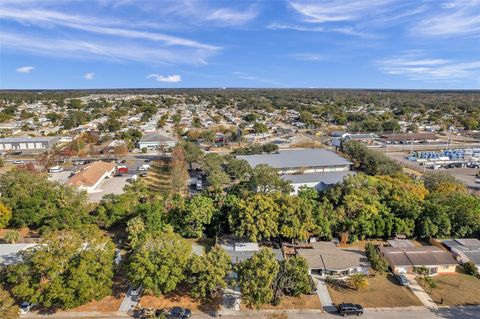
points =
(416, 313)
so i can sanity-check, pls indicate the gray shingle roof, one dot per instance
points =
(325, 255)
(297, 158)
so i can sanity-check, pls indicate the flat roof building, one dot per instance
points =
(27, 143)
(319, 181)
(300, 161)
(156, 140)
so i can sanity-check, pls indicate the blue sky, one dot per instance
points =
(418, 44)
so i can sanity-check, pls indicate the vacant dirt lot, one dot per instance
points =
(301, 302)
(382, 291)
(107, 304)
(455, 289)
(180, 299)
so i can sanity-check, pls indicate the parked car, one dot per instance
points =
(135, 291)
(174, 313)
(18, 162)
(401, 279)
(25, 307)
(55, 169)
(347, 309)
(79, 162)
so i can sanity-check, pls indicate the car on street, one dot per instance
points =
(401, 279)
(348, 309)
(174, 313)
(25, 307)
(18, 162)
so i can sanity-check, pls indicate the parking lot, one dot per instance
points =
(464, 174)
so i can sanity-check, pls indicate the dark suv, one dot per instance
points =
(175, 313)
(346, 309)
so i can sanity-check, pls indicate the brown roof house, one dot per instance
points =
(409, 259)
(90, 177)
(326, 259)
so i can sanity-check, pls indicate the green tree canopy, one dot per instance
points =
(158, 262)
(207, 274)
(69, 269)
(255, 217)
(256, 277)
(37, 202)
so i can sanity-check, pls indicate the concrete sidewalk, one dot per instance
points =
(424, 298)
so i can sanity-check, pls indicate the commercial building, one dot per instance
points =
(92, 176)
(27, 143)
(156, 140)
(315, 168)
(319, 181)
(301, 161)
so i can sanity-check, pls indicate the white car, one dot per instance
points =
(56, 169)
(18, 162)
(25, 307)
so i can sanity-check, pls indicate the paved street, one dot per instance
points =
(405, 313)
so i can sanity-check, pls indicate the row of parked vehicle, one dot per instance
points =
(170, 313)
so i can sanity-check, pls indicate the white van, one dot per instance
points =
(56, 169)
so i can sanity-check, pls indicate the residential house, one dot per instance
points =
(327, 259)
(464, 250)
(10, 253)
(409, 259)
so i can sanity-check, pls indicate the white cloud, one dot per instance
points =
(107, 50)
(25, 69)
(89, 75)
(322, 11)
(48, 18)
(456, 18)
(175, 78)
(312, 57)
(415, 65)
(232, 17)
(309, 28)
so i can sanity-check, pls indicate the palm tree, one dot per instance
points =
(358, 281)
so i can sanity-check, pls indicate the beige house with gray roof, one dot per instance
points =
(326, 259)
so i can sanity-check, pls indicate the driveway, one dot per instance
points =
(129, 302)
(420, 293)
(324, 295)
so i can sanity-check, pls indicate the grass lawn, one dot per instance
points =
(455, 289)
(382, 291)
(179, 298)
(301, 302)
